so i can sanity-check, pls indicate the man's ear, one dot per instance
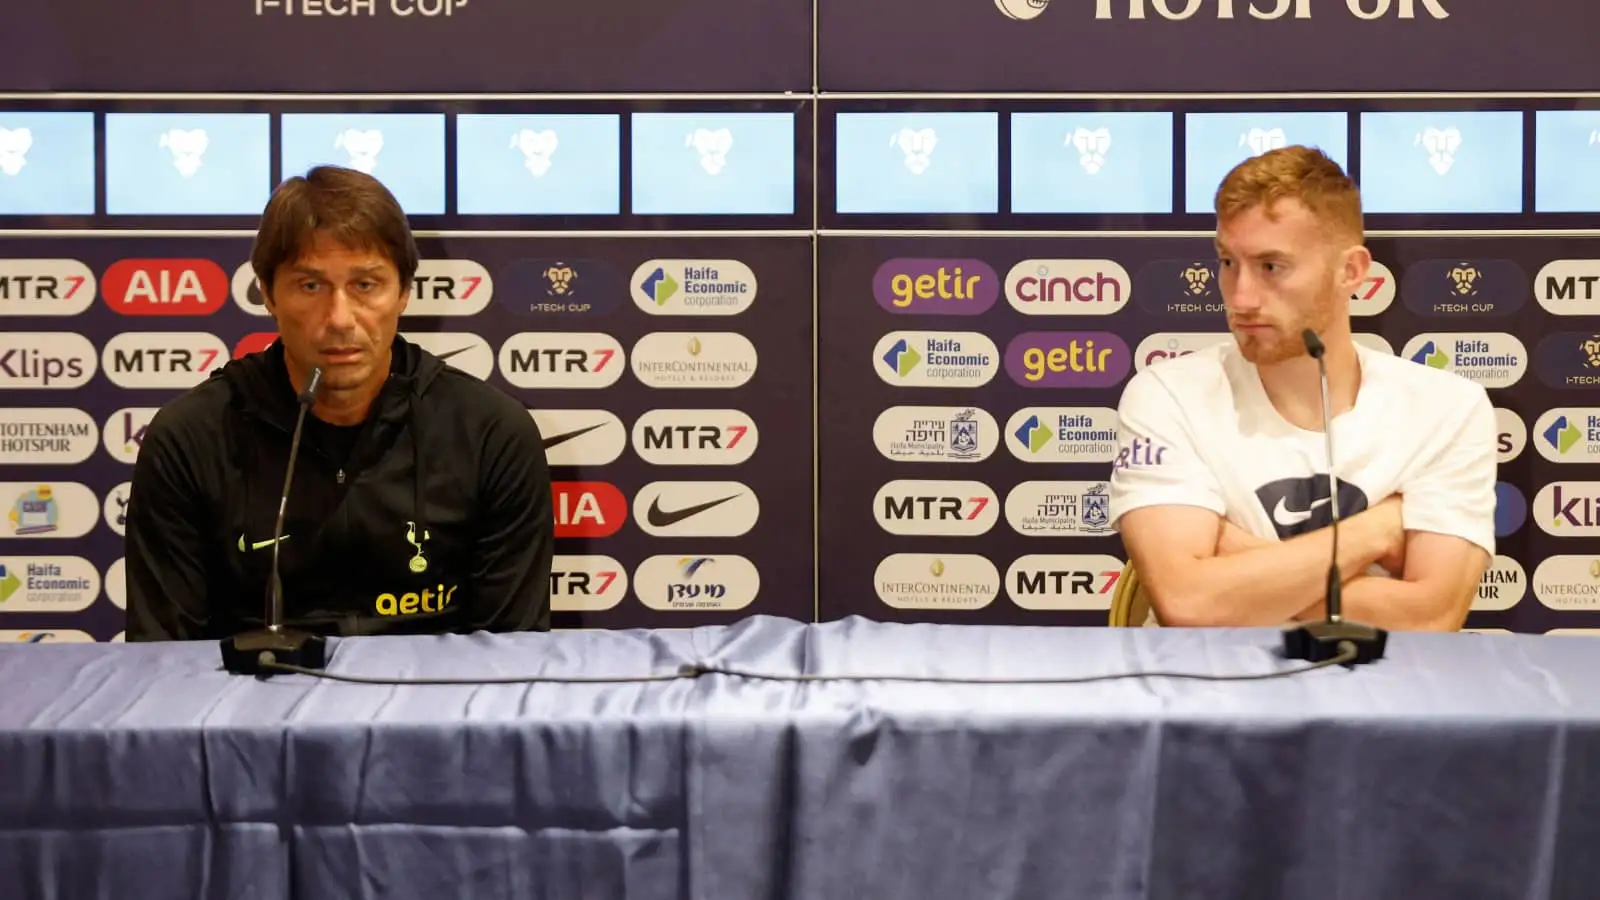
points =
(1355, 263)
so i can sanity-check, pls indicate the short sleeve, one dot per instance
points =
(1454, 493)
(1158, 463)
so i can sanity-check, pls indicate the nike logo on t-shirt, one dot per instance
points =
(259, 545)
(1286, 517)
(661, 518)
(558, 439)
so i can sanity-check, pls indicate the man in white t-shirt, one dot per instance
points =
(1220, 491)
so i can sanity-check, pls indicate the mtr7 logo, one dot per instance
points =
(958, 508)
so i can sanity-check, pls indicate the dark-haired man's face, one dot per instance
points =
(338, 308)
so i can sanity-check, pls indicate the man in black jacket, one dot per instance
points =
(421, 498)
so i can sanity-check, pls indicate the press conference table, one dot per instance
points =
(1461, 766)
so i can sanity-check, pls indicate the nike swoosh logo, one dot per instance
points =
(661, 518)
(1286, 517)
(559, 439)
(259, 545)
(449, 353)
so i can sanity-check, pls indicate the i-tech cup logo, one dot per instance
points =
(918, 145)
(1185, 288)
(1441, 146)
(1067, 359)
(124, 432)
(943, 508)
(1459, 287)
(537, 148)
(962, 434)
(936, 581)
(1063, 434)
(695, 437)
(34, 584)
(1167, 345)
(1059, 508)
(936, 287)
(712, 146)
(164, 287)
(586, 583)
(559, 287)
(562, 360)
(1064, 582)
(1568, 434)
(696, 509)
(459, 350)
(693, 287)
(188, 148)
(1568, 583)
(1022, 9)
(14, 146)
(1569, 359)
(449, 287)
(1068, 287)
(169, 360)
(53, 360)
(1568, 509)
(670, 582)
(1502, 586)
(1564, 287)
(587, 509)
(935, 359)
(362, 147)
(46, 437)
(671, 359)
(1091, 145)
(1492, 359)
(1511, 435)
(57, 509)
(45, 287)
(1376, 292)
(580, 437)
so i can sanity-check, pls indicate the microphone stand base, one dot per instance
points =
(244, 654)
(1325, 640)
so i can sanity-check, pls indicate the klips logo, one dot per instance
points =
(935, 359)
(165, 287)
(695, 437)
(1568, 508)
(696, 509)
(46, 437)
(670, 583)
(1492, 359)
(936, 287)
(54, 360)
(449, 287)
(560, 287)
(580, 437)
(1452, 287)
(587, 509)
(124, 432)
(586, 583)
(1068, 287)
(1171, 345)
(1569, 287)
(45, 287)
(1569, 359)
(459, 350)
(935, 581)
(1062, 582)
(557, 359)
(1511, 435)
(948, 508)
(162, 360)
(693, 287)
(1067, 359)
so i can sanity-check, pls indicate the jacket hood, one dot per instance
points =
(261, 386)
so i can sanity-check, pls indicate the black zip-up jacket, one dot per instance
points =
(438, 518)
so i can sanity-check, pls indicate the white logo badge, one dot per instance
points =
(558, 359)
(449, 287)
(187, 148)
(1260, 140)
(674, 359)
(1092, 147)
(468, 353)
(713, 147)
(49, 437)
(696, 582)
(1568, 583)
(917, 147)
(117, 583)
(696, 509)
(537, 147)
(945, 508)
(58, 509)
(1022, 9)
(54, 360)
(695, 437)
(580, 437)
(363, 147)
(935, 434)
(1441, 146)
(935, 359)
(1050, 582)
(47, 584)
(162, 360)
(934, 581)
(14, 145)
(586, 583)
(1502, 586)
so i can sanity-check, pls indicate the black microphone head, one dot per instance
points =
(309, 395)
(1313, 343)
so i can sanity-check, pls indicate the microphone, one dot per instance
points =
(254, 652)
(1328, 639)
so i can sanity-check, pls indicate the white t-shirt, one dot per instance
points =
(1198, 430)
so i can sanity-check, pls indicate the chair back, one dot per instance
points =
(1130, 602)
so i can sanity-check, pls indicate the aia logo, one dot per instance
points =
(587, 509)
(254, 343)
(165, 287)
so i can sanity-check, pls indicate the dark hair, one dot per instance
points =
(351, 207)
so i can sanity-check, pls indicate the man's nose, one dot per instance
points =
(341, 311)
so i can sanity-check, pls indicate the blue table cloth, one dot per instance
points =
(1461, 766)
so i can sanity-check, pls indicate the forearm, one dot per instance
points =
(1395, 604)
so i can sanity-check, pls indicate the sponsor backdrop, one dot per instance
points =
(797, 348)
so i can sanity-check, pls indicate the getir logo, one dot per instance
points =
(586, 583)
(1067, 359)
(1053, 581)
(1068, 287)
(54, 360)
(160, 359)
(695, 437)
(1568, 508)
(45, 287)
(949, 508)
(696, 582)
(587, 509)
(165, 287)
(937, 287)
(449, 287)
(434, 599)
(562, 359)
(935, 581)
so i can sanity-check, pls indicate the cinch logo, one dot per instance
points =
(160, 359)
(695, 437)
(1375, 293)
(1502, 586)
(693, 287)
(936, 287)
(696, 509)
(459, 350)
(50, 437)
(587, 509)
(1569, 287)
(165, 287)
(1063, 434)
(1059, 508)
(580, 437)
(673, 359)
(1569, 434)
(246, 291)
(45, 287)
(1180, 287)
(1171, 345)
(436, 599)
(1568, 508)
(935, 434)
(559, 287)
(55, 360)
(1068, 287)
(255, 342)
(562, 359)
(1054, 581)
(686, 582)
(1455, 287)
(1301, 9)
(47, 584)
(935, 581)
(935, 359)
(1569, 359)
(1492, 359)
(1067, 359)
(449, 287)
(946, 508)
(1568, 583)
(586, 583)
(59, 509)
(1512, 435)
(124, 432)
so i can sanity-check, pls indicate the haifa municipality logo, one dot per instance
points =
(1022, 9)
